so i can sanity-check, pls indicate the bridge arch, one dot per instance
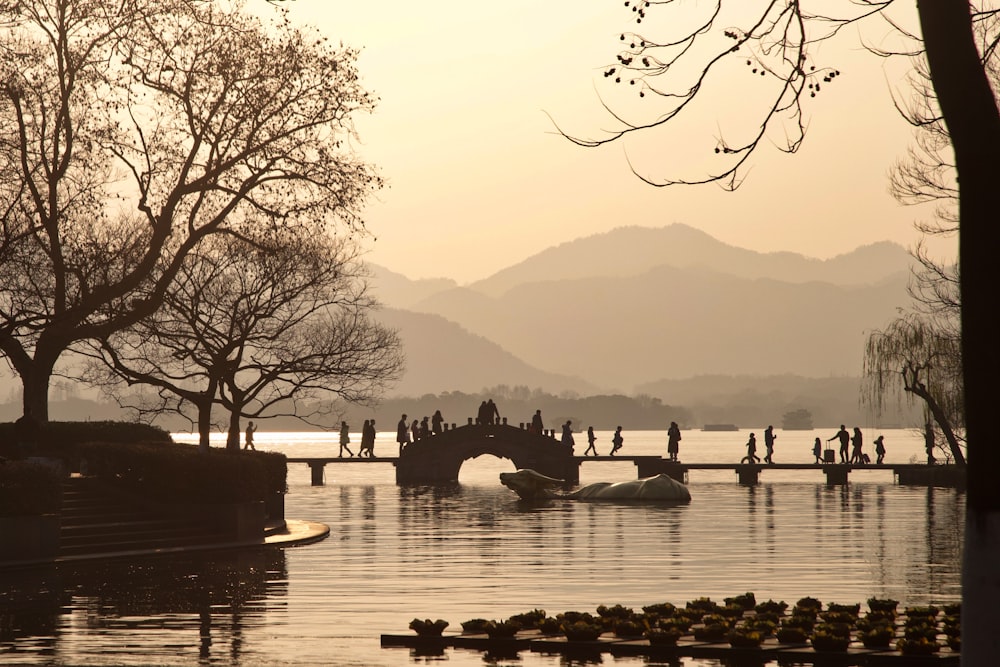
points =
(438, 459)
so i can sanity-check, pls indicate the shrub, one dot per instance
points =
(502, 629)
(178, 473)
(792, 635)
(529, 619)
(427, 627)
(747, 601)
(29, 489)
(663, 636)
(582, 631)
(887, 604)
(474, 625)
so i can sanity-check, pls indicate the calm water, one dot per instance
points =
(475, 551)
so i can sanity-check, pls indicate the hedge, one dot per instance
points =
(171, 473)
(29, 488)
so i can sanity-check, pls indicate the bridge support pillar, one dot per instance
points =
(316, 467)
(748, 474)
(650, 466)
(836, 474)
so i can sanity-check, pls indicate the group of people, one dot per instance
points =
(857, 455)
(769, 438)
(488, 414)
(367, 446)
(407, 433)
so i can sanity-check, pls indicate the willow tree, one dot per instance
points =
(136, 129)
(777, 40)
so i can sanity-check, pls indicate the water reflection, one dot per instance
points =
(135, 609)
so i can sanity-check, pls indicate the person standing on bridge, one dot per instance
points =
(492, 412)
(769, 437)
(425, 428)
(817, 450)
(844, 438)
(567, 434)
(616, 441)
(673, 441)
(345, 438)
(929, 443)
(402, 434)
(536, 423)
(591, 439)
(857, 456)
(436, 421)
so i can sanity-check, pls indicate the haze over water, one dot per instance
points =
(474, 551)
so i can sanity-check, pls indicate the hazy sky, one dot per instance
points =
(478, 179)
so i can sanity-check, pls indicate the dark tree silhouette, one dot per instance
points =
(776, 38)
(132, 131)
(260, 331)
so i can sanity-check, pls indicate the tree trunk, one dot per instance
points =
(233, 437)
(942, 420)
(204, 423)
(970, 112)
(35, 379)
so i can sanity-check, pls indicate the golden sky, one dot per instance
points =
(478, 178)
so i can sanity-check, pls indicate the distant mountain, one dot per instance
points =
(441, 356)
(631, 251)
(679, 322)
(397, 291)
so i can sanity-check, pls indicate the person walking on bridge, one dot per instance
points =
(345, 438)
(751, 456)
(857, 456)
(616, 440)
(436, 421)
(536, 423)
(591, 439)
(879, 449)
(844, 438)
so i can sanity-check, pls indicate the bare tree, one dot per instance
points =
(138, 129)
(776, 38)
(261, 331)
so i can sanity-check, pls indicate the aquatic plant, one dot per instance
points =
(529, 619)
(839, 617)
(884, 604)
(921, 646)
(661, 609)
(629, 629)
(732, 611)
(428, 628)
(474, 625)
(877, 637)
(663, 636)
(550, 625)
(792, 635)
(809, 603)
(582, 631)
(711, 632)
(616, 611)
(826, 641)
(925, 611)
(747, 600)
(704, 605)
(771, 606)
(764, 626)
(952, 609)
(680, 623)
(918, 630)
(806, 623)
(852, 609)
(501, 629)
(742, 637)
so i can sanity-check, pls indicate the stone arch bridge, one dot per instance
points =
(437, 459)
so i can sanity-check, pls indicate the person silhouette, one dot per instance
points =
(436, 421)
(751, 456)
(817, 450)
(929, 443)
(591, 439)
(857, 456)
(879, 449)
(415, 430)
(769, 437)
(345, 438)
(492, 413)
(844, 438)
(673, 441)
(402, 434)
(616, 440)
(567, 434)
(248, 444)
(536, 422)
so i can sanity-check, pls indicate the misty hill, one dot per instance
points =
(397, 291)
(679, 322)
(442, 356)
(631, 251)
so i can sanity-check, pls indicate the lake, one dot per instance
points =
(473, 550)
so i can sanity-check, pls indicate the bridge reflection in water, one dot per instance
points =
(437, 460)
